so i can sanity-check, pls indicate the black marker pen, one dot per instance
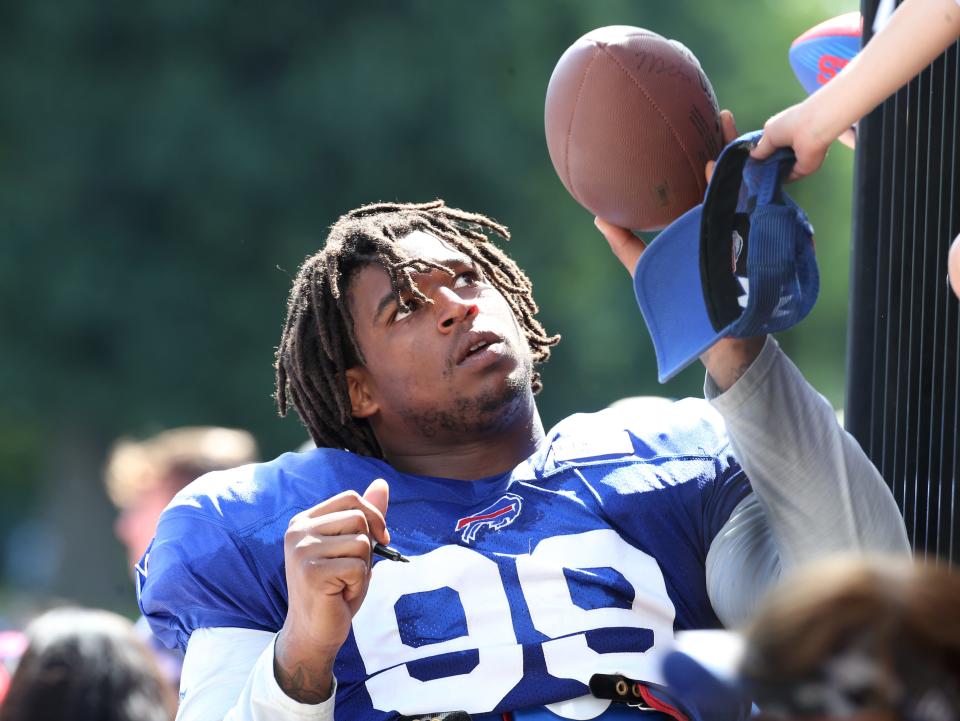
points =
(389, 553)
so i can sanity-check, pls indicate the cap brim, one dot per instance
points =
(669, 290)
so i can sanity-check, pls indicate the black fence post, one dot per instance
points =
(903, 352)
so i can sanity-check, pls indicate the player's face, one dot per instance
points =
(459, 365)
(953, 265)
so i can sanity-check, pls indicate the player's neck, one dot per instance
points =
(469, 456)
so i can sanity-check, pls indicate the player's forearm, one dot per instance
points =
(820, 492)
(302, 674)
(228, 674)
(918, 32)
(729, 358)
(815, 491)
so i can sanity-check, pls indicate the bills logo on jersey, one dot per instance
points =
(495, 516)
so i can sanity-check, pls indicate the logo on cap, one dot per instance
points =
(495, 516)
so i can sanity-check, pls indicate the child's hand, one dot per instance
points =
(793, 129)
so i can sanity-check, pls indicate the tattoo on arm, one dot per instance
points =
(301, 685)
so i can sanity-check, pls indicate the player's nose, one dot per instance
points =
(451, 309)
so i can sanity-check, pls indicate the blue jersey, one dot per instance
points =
(581, 560)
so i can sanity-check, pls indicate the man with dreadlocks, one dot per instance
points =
(536, 560)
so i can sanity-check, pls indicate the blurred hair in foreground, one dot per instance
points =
(849, 637)
(86, 665)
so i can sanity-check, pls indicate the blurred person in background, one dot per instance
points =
(851, 638)
(142, 477)
(86, 665)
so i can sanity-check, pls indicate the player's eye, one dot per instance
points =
(466, 278)
(407, 309)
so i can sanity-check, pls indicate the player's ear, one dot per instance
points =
(362, 403)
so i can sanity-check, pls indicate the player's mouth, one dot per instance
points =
(479, 347)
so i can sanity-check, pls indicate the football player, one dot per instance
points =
(537, 560)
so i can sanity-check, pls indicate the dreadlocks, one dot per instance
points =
(318, 344)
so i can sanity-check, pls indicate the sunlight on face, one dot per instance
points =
(458, 364)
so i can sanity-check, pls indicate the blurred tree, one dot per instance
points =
(167, 165)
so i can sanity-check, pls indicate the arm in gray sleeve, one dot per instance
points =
(815, 492)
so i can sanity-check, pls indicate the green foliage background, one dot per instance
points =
(166, 166)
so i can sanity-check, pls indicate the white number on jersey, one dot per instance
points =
(477, 582)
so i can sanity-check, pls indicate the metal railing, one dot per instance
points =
(903, 354)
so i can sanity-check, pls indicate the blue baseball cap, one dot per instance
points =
(740, 264)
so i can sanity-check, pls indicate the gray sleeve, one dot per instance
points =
(815, 492)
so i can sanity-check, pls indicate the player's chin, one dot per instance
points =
(501, 383)
(484, 388)
(496, 406)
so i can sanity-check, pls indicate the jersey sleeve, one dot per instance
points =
(676, 471)
(228, 675)
(197, 573)
(687, 445)
(217, 560)
(722, 495)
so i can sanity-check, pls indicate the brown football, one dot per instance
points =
(631, 120)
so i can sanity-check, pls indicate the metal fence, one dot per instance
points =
(903, 359)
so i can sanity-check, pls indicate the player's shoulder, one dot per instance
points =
(646, 426)
(217, 557)
(248, 495)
